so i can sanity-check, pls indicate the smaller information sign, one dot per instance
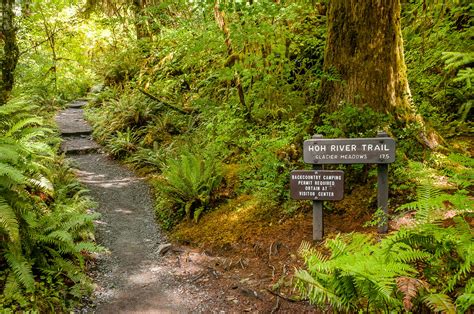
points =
(320, 185)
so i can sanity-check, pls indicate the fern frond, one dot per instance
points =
(79, 221)
(455, 60)
(12, 288)
(11, 173)
(20, 267)
(60, 239)
(8, 220)
(89, 247)
(43, 184)
(440, 303)
(306, 249)
(466, 300)
(411, 255)
(9, 153)
(409, 287)
(337, 246)
(316, 292)
(18, 126)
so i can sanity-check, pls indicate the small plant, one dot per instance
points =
(189, 183)
(123, 143)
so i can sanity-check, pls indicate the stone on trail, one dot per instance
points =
(164, 248)
(76, 104)
(71, 122)
(78, 145)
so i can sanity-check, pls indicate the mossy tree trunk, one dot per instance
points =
(9, 56)
(365, 49)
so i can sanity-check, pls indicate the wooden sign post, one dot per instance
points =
(319, 151)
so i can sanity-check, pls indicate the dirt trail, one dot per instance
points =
(139, 275)
(132, 278)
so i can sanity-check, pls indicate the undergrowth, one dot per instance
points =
(46, 228)
(424, 267)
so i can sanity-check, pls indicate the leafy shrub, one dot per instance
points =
(351, 121)
(188, 184)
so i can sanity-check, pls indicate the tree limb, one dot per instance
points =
(163, 103)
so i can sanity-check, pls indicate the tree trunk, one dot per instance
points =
(365, 50)
(25, 8)
(141, 26)
(11, 53)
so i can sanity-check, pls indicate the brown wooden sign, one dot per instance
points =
(349, 151)
(321, 185)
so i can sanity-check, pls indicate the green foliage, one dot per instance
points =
(53, 65)
(123, 143)
(357, 275)
(277, 60)
(45, 230)
(432, 204)
(350, 121)
(438, 41)
(428, 265)
(189, 183)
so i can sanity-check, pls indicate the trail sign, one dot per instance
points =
(379, 150)
(321, 185)
(318, 151)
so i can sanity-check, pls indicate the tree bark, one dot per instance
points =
(11, 53)
(141, 26)
(365, 50)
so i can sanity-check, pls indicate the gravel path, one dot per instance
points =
(132, 278)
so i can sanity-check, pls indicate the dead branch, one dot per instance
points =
(273, 270)
(196, 278)
(282, 296)
(270, 250)
(277, 305)
(163, 103)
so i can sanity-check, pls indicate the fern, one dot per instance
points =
(466, 300)
(455, 60)
(190, 182)
(20, 267)
(431, 203)
(355, 273)
(10, 175)
(439, 302)
(8, 152)
(410, 287)
(360, 273)
(8, 221)
(19, 127)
